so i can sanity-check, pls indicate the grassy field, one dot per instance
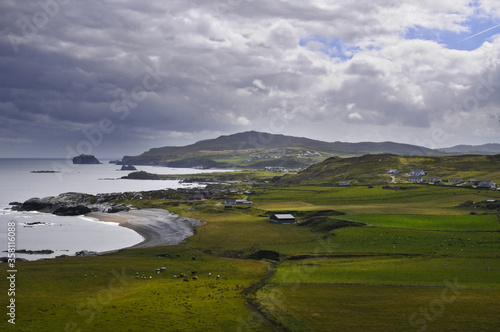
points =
(55, 295)
(321, 307)
(429, 222)
(387, 274)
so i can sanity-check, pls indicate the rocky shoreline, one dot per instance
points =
(72, 204)
(158, 227)
(75, 204)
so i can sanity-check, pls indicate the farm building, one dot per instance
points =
(229, 203)
(434, 179)
(282, 219)
(487, 184)
(416, 179)
(455, 181)
(417, 172)
(344, 184)
(393, 172)
(196, 197)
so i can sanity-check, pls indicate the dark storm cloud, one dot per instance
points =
(167, 72)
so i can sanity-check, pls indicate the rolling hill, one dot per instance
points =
(372, 169)
(257, 150)
(492, 148)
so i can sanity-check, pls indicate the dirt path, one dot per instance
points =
(251, 297)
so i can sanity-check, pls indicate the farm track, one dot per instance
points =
(251, 297)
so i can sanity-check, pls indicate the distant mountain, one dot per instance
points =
(258, 150)
(492, 148)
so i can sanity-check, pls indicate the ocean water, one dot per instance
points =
(66, 235)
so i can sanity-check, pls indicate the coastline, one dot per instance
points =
(158, 227)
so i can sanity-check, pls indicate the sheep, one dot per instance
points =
(175, 276)
(210, 274)
(218, 277)
(195, 278)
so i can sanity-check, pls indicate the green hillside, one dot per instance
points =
(372, 169)
(257, 150)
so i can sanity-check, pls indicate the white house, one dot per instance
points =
(417, 172)
(487, 184)
(416, 179)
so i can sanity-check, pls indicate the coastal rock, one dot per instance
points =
(85, 253)
(45, 172)
(35, 252)
(117, 208)
(72, 210)
(128, 168)
(37, 204)
(73, 204)
(141, 175)
(6, 259)
(84, 159)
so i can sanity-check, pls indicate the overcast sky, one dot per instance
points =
(118, 77)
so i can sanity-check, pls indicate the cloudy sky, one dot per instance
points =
(118, 77)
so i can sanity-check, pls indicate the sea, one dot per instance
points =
(21, 179)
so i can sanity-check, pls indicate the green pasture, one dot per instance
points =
(477, 273)
(368, 278)
(436, 196)
(326, 307)
(429, 222)
(54, 295)
(416, 242)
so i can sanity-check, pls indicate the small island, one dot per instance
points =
(84, 159)
(128, 168)
(45, 172)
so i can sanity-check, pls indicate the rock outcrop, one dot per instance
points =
(84, 159)
(128, 168)
(72, 204)
(142, 175)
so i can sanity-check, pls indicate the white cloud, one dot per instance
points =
(231, 65)
(355, 116)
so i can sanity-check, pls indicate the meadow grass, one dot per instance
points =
(55, 295)
(369, 278)
(362, 195)
(323, 307)
(429, 222)
(478, 273)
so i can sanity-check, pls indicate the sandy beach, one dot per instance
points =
(158, 227)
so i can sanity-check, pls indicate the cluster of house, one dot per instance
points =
(280, 169)
(417, 176)
(308, 154)
(211, 193)
(229, 203)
